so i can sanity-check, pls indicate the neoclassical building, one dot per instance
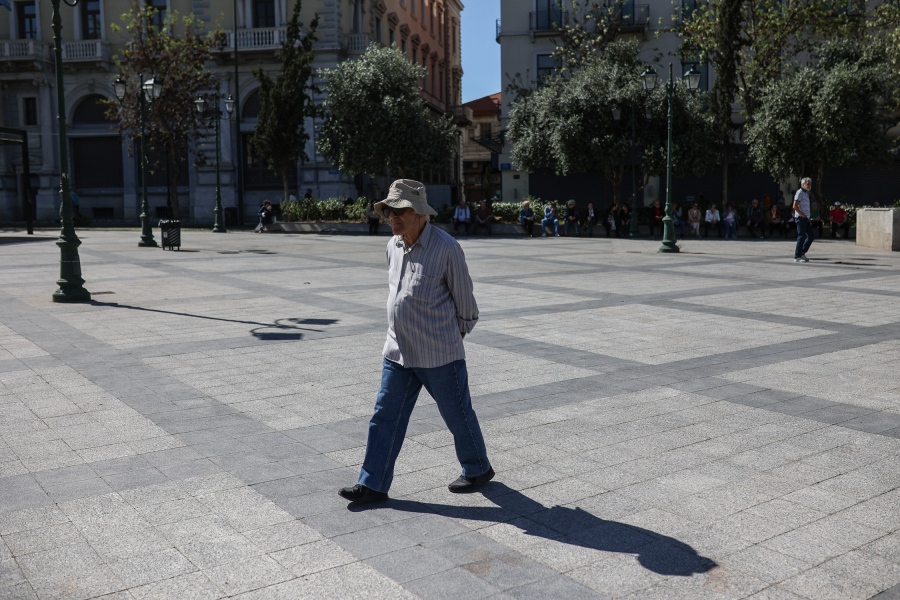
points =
(104, 170)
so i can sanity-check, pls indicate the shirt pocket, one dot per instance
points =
(423, 287)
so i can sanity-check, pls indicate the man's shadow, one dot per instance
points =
(656, 552)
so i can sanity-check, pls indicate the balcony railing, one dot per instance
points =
(497, 37)
(548, 20)
(24, 50)
(462, 115)
(86, 51)
(356, 43)
(633, 16)
(257, 38)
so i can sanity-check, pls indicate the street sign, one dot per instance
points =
(506, 167)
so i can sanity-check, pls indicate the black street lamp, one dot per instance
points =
(148, 93)
(71, 285)
(692, 81)
(216, 115)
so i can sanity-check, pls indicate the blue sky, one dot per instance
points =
(480, 51)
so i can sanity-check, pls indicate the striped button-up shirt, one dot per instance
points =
(430, 302)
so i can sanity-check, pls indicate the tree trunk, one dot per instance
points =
(174, 175)
(725, 160)
(284, 180)
(818, 196)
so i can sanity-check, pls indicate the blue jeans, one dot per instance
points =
(400, 386)
(571, 225)
(730, 228)
(554, 222)
(804, 237)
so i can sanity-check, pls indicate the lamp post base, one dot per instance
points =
(71, 294)
(218, 229)
(148, 244)
(669, 247)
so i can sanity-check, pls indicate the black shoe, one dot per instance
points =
(464, 485)
(360, 494)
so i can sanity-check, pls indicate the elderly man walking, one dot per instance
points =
(801, 216)
(430, 309)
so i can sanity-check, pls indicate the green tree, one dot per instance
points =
(819, 119)
(280, 135)
(177, 53)
(567, 125)
(750, 43)
(376, 121)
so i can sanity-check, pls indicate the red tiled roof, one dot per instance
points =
(489, 105)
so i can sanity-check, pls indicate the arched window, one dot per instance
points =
(91, 111)
(250, 112)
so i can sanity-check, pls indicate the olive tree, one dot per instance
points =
(567, 125)
(376, 121)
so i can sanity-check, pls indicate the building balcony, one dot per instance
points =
(548, 20)
(255, 39)
(462, 115)
(499, 29)
(356, 43)
(24, 55)
(89, 52)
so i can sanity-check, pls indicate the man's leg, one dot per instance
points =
(399, 389)
(809, 236)
(801, 239)
(449, 386)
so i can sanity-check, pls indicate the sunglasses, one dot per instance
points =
(387, 210)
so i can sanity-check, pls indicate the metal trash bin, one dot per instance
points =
(170, 232)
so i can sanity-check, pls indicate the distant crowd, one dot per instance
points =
(759, 220)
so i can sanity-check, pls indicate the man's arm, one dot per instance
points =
(797, 208)
(460, 284)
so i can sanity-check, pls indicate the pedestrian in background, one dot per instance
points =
(815, 219)
(801, 216)
(571, 218)
(462, 216)
(774, 221)
(265, 216)
(431, 308)
(756, 219)
(840, 221)
(678, 218)
(373, 217)
(526, 218)
(590, 220)
(483, 217)
(551, 217)
(711, 220)
(730, 220)
(694, 219)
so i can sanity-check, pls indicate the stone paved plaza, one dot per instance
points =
(722, 423)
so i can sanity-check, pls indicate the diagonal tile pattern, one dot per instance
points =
(718, 424)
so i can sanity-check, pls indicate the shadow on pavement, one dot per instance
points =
(655, 552)
(284, 329)
(25, 239)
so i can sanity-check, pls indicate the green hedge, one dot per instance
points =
(332, 209)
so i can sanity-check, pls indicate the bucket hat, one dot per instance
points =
(406, 193)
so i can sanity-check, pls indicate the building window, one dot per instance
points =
(159, 16)
(415, 56)
(414, 2)
(687, 9)
(431, 19)
(433, 71)
(392, 35)
(704, 72)
(546, 66)
(423, 12)
(90, 20)
(453, 41)
(29, 112)
(26, 20)
(425, 77)
(264, 13)
(441, 85)
(486, 130)
(377, 30)
(403, 47)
